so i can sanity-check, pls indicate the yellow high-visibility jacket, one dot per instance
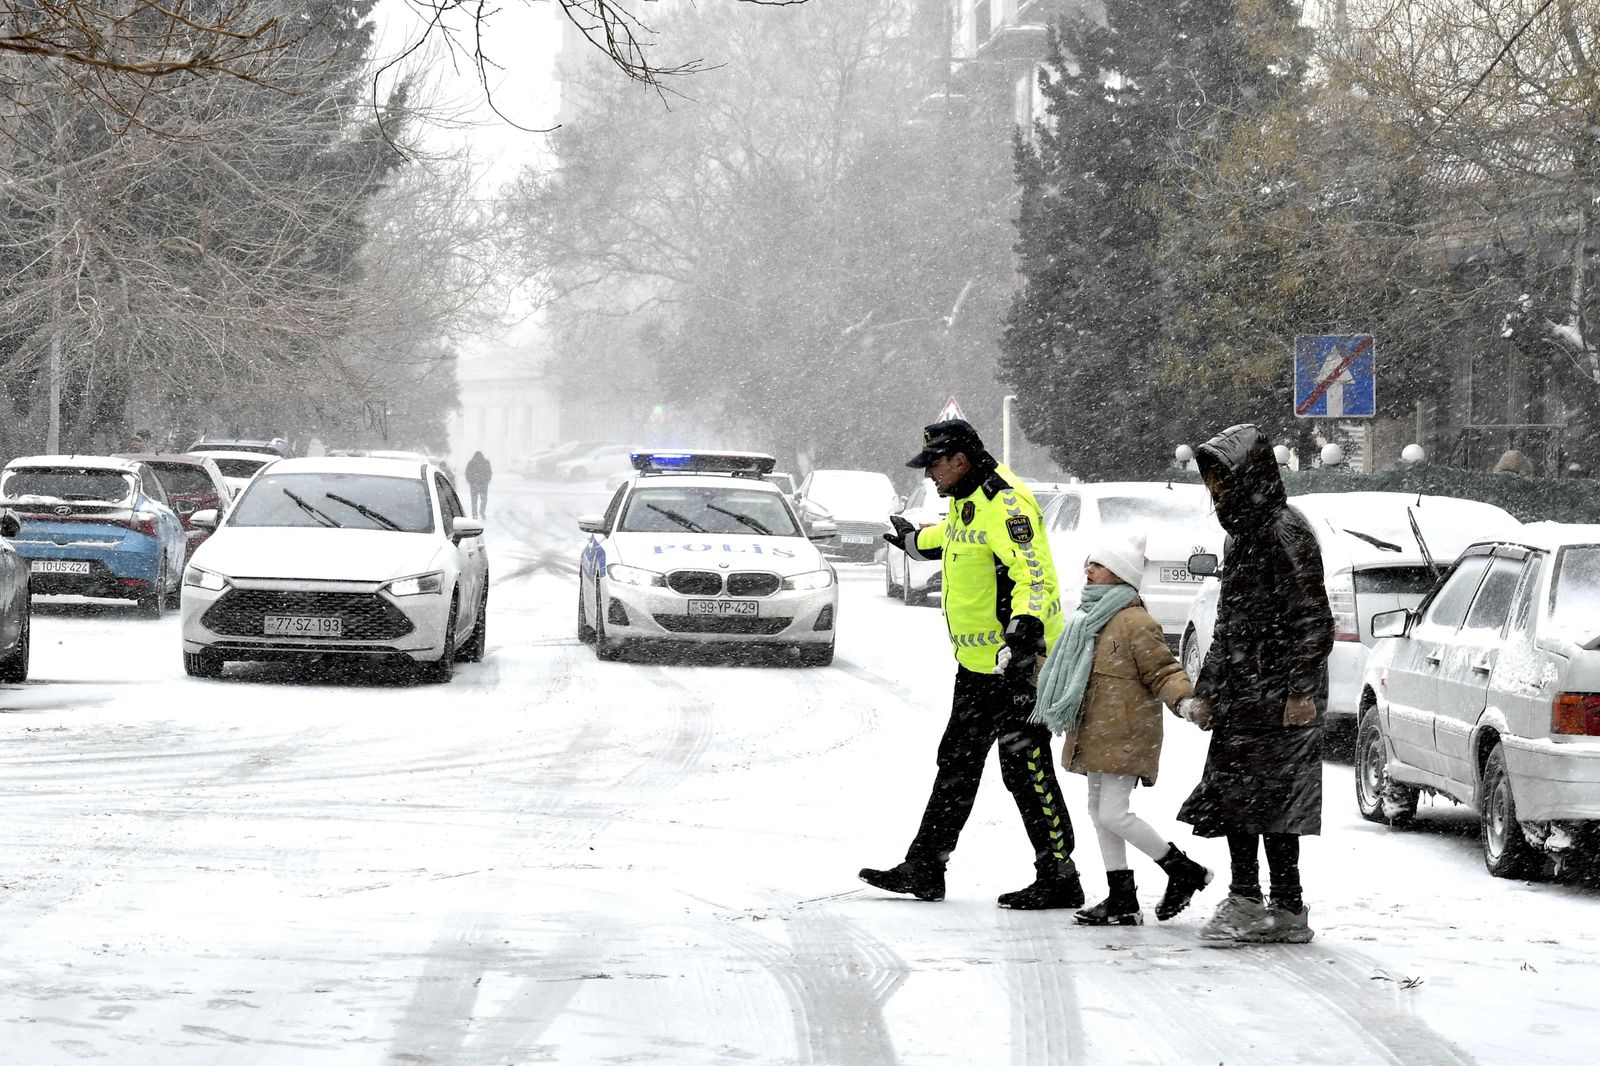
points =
(995, 565)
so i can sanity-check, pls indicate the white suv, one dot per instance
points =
(1489, 694)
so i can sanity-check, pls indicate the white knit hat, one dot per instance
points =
(1123, 556)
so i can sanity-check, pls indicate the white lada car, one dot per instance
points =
(697, 548)
(339, 556)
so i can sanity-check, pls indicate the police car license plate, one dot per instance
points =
(1178, 574)
(856, 538)
(59, 566)
(301, 625)
(722, 609)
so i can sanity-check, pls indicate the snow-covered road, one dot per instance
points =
(554, 859)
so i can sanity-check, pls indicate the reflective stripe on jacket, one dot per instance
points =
(995, 565)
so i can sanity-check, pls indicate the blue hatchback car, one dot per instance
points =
(96, 526)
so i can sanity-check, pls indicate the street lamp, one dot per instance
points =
(1282, 454)
(1184, 454)
(1332, 455)
(1412, 454)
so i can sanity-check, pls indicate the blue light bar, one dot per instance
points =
(751, 464)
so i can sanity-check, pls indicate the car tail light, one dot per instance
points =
(1576, 714)
(140, 522)
(1342, 601)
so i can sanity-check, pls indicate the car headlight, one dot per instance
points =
(204, 579)
(421, 585)
(633, 575)
(816, 579)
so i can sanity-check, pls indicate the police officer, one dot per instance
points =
(1003, 610)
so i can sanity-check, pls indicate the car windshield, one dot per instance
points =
(68, 483)
(239, 467)
(712, 510)
(1575, 593)
(347, 501)
(1167, 509)
(852, 491)
(184, 480)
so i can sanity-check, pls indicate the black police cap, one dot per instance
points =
(947, 438)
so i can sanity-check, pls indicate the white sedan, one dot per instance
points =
(339, 556)
(1489, 694)
(695, 549)
(237, 467)
(1371, 562)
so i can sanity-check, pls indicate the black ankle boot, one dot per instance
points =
(1051, 890)
(924, 882)
(1185, 877)
(1121, 907)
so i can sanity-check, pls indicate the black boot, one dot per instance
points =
(1054, 888)
(1121, 907)
(924, 882)
(1185, 877)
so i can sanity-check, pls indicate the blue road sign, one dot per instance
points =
(1335, 376)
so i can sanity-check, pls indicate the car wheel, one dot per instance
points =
(1378, 796)
(14, 667)
(442, 669)
(1506, 852)
(585, 630)
(203, 663)
(816, 654)
(1189, 654)
(604, 649)
(472, 650)
(153, 601)
(889, 587)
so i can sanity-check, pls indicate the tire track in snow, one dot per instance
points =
(1046, 1025)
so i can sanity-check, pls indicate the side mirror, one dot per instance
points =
(1391, 623)
(10, 526)
(822, 530)
(184, 506)
(592, 523)
(1204, 564)
(462, 528)
(206, 519)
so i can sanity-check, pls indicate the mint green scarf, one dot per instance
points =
(1065, 677)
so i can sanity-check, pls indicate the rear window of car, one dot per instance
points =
(184, 479)
(240, 467)
(67, 483)
(714, 510)
(1395, 580)
(347, 501)
(1575, 591)
(1156, 510)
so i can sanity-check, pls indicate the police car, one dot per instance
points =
(697, 548)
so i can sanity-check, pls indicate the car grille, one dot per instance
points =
(694, 582)
(364, 615)
(750, 627)
(753, 584)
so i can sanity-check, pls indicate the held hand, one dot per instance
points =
(1197, 710)
(1002, 659)
(1299, 710)
(902, 530)
(1024, 643)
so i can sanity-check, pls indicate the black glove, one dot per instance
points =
(902, 530)
(1025, 642)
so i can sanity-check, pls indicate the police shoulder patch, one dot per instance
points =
(1020, 528)
(968, 509)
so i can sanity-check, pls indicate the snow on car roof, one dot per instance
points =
(349, 464)
(1134, 488)
(225, 453)
(79, 462)
(1550, 535)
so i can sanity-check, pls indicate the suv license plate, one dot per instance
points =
(1178, 574)
(722, 608)
(59, 566)
(857, 538)
(301, 625)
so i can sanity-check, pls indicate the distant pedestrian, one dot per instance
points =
(1514, 462)
(1262, 692)
(1103, 686)
(1003, 611)
(478, 474)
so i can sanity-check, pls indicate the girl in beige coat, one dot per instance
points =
(1103, 686)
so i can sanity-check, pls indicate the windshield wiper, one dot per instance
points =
(1374, 541)
(742, 519)
(676, 517)
(366, 512)
(321, 518)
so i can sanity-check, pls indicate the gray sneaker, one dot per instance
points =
(1281, 927)
(1234, 918)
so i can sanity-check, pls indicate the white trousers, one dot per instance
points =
(1116, 825)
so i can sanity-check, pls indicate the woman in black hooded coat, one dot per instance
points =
(1262, 692)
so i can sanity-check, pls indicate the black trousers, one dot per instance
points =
(987, 709)
(480, 500)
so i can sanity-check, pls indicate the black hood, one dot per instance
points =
(1252, 488)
